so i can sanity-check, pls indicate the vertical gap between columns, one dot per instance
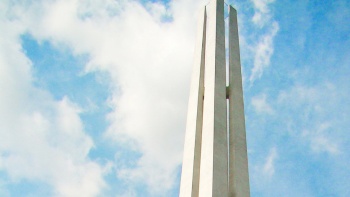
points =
(226, 18)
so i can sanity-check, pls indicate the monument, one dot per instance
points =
(215, 153)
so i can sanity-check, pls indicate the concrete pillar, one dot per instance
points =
(211, 167)
(189, 185)
(238, 160)
(214, 157)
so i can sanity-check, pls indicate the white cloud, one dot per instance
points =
(41, 139)
(269, 166)
(260, 104)
(262, 12)
(312, 103)
(158, 11)
(263, 51)
(149, 63)
(301, 94)
(321, 140)
(128, 193)
(323, 144)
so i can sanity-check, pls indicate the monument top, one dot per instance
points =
(215, 153)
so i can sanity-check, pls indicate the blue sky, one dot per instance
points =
(94, 96)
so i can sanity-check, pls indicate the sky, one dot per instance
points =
(94, 96)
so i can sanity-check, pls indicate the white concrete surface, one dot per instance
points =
(211, 167)
(214, 157)
(192, 151)
(238, 160)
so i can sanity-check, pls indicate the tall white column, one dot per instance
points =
(211, 167)
(214, 157)
(189, 185)
(238, 160)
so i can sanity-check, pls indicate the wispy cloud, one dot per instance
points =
(261, 105)
(320, 140)
(263, 51)
(313, 105)
(269, 166)
(262, 12)
(263, 48)
(323, 144)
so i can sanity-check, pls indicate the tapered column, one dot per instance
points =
(214, 157)
(238, 165)
(192, 151)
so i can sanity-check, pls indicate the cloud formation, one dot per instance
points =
(263, 48)
(260, 104)
(262, 12)
(269, 168)
(42, 140)
(263, 51)
(140, 47)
